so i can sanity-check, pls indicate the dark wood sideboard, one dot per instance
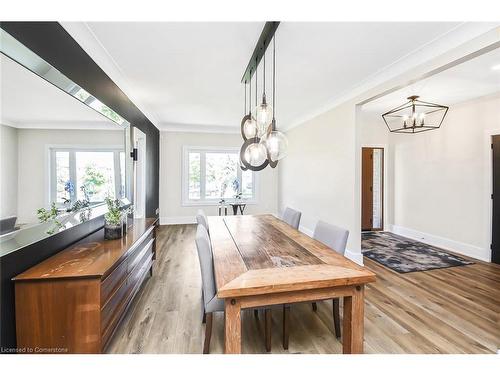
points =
(73, 301)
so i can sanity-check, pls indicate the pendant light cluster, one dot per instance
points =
(263, 145)
(415, 116)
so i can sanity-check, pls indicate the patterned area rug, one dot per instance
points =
(404, 255)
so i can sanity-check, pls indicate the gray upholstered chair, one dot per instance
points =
(336, 239)
(210, 301)
(292, 217)
(201, 218)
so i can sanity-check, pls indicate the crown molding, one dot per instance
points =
(199, 128)
(463, 33)
(64, 125)
(85, 37)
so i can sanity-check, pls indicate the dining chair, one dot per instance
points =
(210, 302)
(201, 218)
(336, 239)
(292, 217)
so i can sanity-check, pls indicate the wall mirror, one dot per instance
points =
(62, 150)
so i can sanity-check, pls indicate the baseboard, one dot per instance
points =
(444, 243)
(354, 256)
(173, 220)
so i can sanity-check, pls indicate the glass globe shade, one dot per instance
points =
(263, 117)
(256, 154)
(250, 128)
(277, 145)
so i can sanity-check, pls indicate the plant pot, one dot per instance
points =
(113, 232)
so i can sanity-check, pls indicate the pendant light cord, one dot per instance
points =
(245, 107)
(264, 68)
(256, 83)
(274, 75)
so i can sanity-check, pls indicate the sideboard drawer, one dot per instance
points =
(113, 281)
(138, 254)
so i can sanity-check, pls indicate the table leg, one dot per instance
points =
(232, 328)
(235, 210)
(352, 342)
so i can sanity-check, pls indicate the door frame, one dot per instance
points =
(385, 200)
(488, 202)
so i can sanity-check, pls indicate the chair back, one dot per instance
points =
(292, 217)
(332, 236)
(206, 264)
(201, 218)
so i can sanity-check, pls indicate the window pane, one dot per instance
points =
(221, 171)
(95, 171)
(122, 174)
(194, 175)
(247, 184)
(62, 176)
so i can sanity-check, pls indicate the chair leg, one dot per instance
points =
(208, 333)
(286, 324)
(204, 317)
(268, 329)
(315, 306)
(256, 313)
(336, 316)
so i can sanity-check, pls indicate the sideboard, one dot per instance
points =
(73, 301)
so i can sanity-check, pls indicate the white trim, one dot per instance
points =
(385, 183)
(199, 128)
(444, 243)
(185, 202)
(174, 220)
(488, 202)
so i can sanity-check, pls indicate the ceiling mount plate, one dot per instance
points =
(260, 48)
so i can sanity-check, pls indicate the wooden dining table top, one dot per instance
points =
(261, 254)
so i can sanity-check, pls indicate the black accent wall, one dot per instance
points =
(51, 42)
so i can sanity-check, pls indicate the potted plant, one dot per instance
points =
(113, 228)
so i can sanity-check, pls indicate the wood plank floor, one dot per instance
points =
(453, 310)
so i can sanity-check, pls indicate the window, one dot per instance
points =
(78, 173)
(210, 174)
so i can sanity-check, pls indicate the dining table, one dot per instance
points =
(260, 260)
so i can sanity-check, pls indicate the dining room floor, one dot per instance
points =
(451, 310)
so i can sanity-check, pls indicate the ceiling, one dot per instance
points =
(28, 101)
(186, 75)
(472, 79)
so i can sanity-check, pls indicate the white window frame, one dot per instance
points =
(72, 149)
(186, 150)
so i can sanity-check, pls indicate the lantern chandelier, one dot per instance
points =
(263, 145)
(415, 116)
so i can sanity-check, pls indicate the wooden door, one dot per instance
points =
(367, 189)
(495, 227)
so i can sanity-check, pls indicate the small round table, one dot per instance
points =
(235, 207)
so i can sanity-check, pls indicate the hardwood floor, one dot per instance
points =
(452, 310)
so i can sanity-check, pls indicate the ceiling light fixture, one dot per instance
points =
(415, 116)
(263, 144)
(495, 67)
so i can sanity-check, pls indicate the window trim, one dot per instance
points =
(185, 201)
(51, 192)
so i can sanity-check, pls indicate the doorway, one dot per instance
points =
(372, 189)
(495, 196)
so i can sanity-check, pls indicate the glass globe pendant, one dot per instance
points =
(250, 127)
(263, 116)
(276, 144)
(256, 154)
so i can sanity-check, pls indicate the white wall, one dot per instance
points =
(171, 209)
(34, 162)
(318, 175)
(443, 179)
(8, 171)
